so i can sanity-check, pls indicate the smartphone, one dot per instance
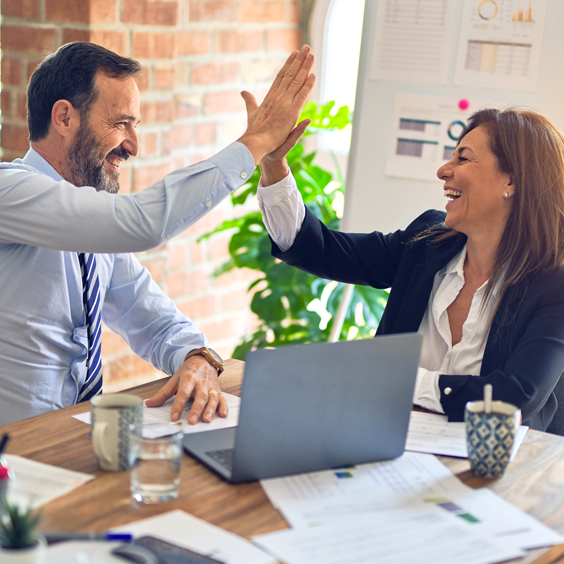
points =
(151, 550)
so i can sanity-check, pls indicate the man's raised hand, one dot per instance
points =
(270, 124)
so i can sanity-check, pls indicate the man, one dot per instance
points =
(65, 235)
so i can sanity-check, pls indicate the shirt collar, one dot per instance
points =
(456, 266)
(35, 160)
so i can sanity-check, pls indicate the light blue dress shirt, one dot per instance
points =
(44, 222)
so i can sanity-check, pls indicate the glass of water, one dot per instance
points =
(155, 469)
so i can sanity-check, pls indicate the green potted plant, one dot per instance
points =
(19, 543)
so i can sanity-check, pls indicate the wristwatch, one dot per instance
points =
(210, 355)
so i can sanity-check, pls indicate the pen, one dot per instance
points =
(59, 537)
(4, 442)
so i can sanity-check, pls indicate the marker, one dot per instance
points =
(4, 442)
(59, 537)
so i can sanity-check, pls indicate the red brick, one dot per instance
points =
(113, 40)
(187, 105)
(125, 179)
(192, 43)
(150, 12)
(67, 10)
(237, 41)
(14, 137)
(30, 39)
(181, 135)
(215, 72)
(31, 68)
(261, 11)
(205, 133)
(224, 329)
(28, 9)
(70, 35)
(223, 102)
(219, 247)
(199, 308)
(283, 39)
(148, 45)
(156, 111)
(112, 343)
(142, 80)
(146, 175)
(295, 13)
(260, 70)
(212, 11)
(180, 74)
(157, 268)
(163, 77)
(11, 71)
(199, 157)
(6, 103)
(197, 253)
(177, 256)
(166, 147)
(21, 106)
(238, 300)
(178, 161)
(130, 366)
(103, 11)
(149, 144)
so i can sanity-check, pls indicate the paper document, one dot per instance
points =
(37, 483)
(432, 433)
(176, 527)
(411, 40)
(313, 498)
(399, 536)
(500, 44)
(156, 416)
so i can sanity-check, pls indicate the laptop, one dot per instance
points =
(313, 407)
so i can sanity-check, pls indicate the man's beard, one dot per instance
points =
(86, 162)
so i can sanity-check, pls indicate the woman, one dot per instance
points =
(483, 283)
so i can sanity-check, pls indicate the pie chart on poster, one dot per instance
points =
(487, 9)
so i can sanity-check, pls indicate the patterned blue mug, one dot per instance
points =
(490, 436)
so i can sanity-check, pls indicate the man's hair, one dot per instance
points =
(69, 74)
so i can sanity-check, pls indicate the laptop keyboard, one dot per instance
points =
(224, 457)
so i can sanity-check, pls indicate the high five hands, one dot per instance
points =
(271, 127)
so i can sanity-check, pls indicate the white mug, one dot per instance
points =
(112, 416)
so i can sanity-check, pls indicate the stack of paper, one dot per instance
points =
(403, 510)
(35, 483)
(157, 423)
(432, 433)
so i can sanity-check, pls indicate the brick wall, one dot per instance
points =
(198, 55)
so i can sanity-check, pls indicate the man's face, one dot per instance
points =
(107, 136)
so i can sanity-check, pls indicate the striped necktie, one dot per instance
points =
(91, 296)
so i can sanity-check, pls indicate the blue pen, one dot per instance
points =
(59, 537)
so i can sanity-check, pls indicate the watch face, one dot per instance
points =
(215, 356)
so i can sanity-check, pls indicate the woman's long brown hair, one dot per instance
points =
(530, 148)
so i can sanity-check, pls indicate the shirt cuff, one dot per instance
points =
(273, 194)
(236, 163)
(427, 393)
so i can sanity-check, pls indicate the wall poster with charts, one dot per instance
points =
(500, 44)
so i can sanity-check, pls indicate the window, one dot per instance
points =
(336, 33)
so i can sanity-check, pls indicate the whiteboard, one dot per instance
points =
(375, 201)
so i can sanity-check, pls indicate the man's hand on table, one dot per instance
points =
(196, 377)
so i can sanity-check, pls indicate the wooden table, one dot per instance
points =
(534, 481)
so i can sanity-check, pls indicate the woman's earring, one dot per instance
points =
(506, 194)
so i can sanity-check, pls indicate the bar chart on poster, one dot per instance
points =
(425, 67)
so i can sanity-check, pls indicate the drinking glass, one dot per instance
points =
(155, 469)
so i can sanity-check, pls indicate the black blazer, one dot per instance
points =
(524, 353)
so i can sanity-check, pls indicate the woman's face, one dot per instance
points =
(475, 187)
